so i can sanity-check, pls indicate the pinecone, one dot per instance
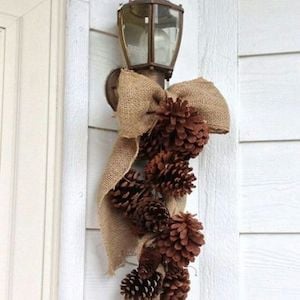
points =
(133, 287)
(150, 215)
(182, 127)
(181, 243)
(151, 143)
(130, 187)
(149, 262)
(170, 174)
(176, 284)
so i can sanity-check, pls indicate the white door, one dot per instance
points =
(30, 127)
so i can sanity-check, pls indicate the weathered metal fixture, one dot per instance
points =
(150, 33)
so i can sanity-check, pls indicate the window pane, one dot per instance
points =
(135, 22)
(166, 29)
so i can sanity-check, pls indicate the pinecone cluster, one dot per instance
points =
(179, 134)
(133, 287)
(146, 211)
(180, 128)
(181, 242)
(170, 174)
(176, 284)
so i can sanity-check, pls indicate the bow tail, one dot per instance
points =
(118, 239)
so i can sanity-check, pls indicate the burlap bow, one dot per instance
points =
(138, 95)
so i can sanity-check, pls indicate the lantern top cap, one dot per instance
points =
(158, 2)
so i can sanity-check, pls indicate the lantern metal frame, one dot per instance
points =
(151, 69)
(151, 64)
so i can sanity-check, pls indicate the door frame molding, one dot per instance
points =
(15, 188)
(55, 151)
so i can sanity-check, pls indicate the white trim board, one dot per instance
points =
(218, 62)
(72, 253)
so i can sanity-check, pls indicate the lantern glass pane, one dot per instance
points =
(166, 33)
(135, 22)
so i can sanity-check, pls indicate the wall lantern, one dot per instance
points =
(150, 33)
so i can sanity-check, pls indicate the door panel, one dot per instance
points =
(8, 116)
(27, 52)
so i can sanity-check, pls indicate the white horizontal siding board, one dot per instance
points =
(100, 147)
(270, 266)
(270, 187)
(269, 97)
(105, 55)
(269, 26)
(104, 15)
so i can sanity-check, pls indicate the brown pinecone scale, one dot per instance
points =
(131, 187)
(149, 261)
(181, 243)
(170, 174)
(150, 144)
(176, 284)
(135, 288)
(150, 215)
(182, 128)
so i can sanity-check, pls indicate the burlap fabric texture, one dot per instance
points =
(138, 98)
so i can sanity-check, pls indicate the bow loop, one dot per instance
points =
(204, 96)
(139, 96)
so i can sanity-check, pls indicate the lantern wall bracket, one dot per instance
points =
(112, 83)
(111, 88)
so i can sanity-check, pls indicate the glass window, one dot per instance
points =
(135, 23)
(166, 30)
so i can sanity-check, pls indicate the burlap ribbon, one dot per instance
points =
(138, 97)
